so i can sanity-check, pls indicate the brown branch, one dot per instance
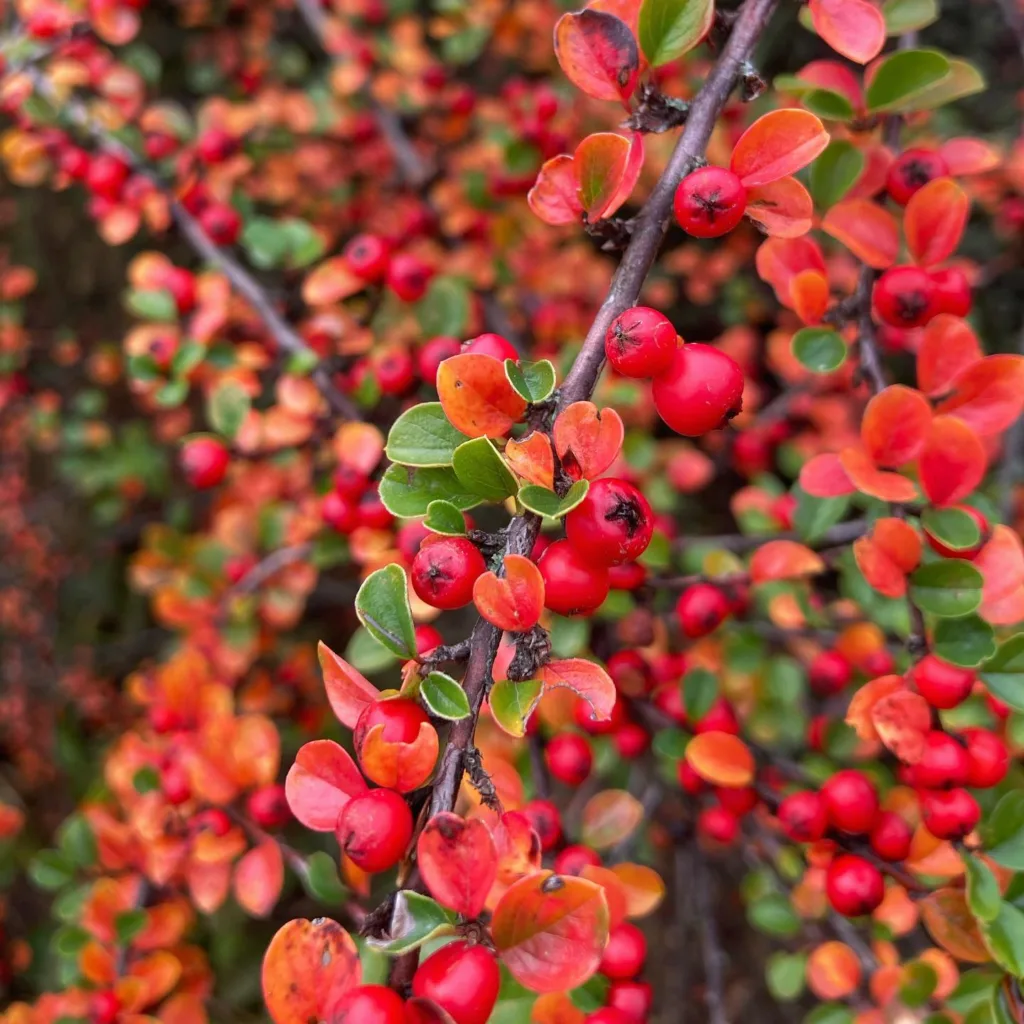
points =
(270, 566)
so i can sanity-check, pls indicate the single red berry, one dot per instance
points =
(182, 286)
(339, 513)
(628, 576)
(221, 223)
(829, 673)
(204, 461)
(573, 859)
(106, 1006)
(877, 663)
(427, 638)
(634, 999)
(631, 740)
(718, 824)
(630, 672)
(212, 820)
(369, 1004)
(952, 291)
(701, 609)
(268, 807)
(349, 481)
(573, 583)
(74, 162)
(373, 514)
(969, 553)
(408, 276)
(174, 784)
(625, 952)
(944, 763)
(904, 297)
(366, 256)
(911, 170)
(432, 355)
(546, 821)
(569, 758)
(804, 816)
(987, 758)
(444, 571)
(710, 202)
(641, 342)
(394, 369)
(401, 718)
(374, 829)
(613, 523)
(462, 979)
(700, 391)
(159, 145)
(851, 800)
(943, 685)
(739, 801)
(949, 813)
(491, 345)
(854, 886)
(689, 780)
(215, 145)
(607, 1015)
(891, 837)
(106, 176)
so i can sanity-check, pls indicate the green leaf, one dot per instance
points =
(785, 974)
(414, 920)
(329, 549)
(908, 15)
(172, 394)
(947, 588)
(774, 914)
(1003, 673)
(444, 309)
(830, 1013)
(819, 349)
(964, 79)
(513, 702)
(532, 381)
(951, 527)
(187, 358)
(670, 743)
(266, 242)
(700, 688)
(669, 28)
(50, 870)
(975, 986)
(829, 105)
(366, 654)
(481, 470)
(966, 641)
(146, 780)
(304, 245)
(227, 407)
(422, 436)
(321, 881)
(70, 940)
(546, 503)
(444, 518)
(152, 304)
(69, 904)
(1003, 831)
(983, 896)
(382, 605)
(77, 842)
(591, 995)
(129, 924)
(903, 76)
(444, 697)
(814, 517)
(1004, 936)
(407, 493)
(569, 637)
(835, 172)
(919, 981)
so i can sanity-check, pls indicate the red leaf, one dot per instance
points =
(783, 208)
(854, 28)
(585, 678)
(809, 296)
(458, 861)
(779, 260)
(868, 479)
(323, 779)
(348, 691)
(1001, 564)
(587, 441)
(964, 155)
(532, 458)
(935, 219)
(517, 846)
(555, 196)
(989, 395)
(868, 230)
(952, 463)
(858, 715)
(258, 878)
(783, 560)
(824, 477)
(779, 143)
(948, 346)
(609, 817)
(598, 53)
(514, 602)
(895, 425)
(607, 168)
(885, 558)
(476, 395)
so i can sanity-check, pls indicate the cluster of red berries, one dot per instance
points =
(371, 259)
(697, 388)
(354, 502)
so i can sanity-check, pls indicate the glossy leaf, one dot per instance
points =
(670, 28)
(607, 167)
(533, 459)
(643, 886)
(908, 15)
(962, 79)
(886, 556)
(868, 479)
(951, 527)
(512, 602)
(868, 230)
(598, 54)
(964, 155)
(382, 604)
(320, 783)
(777, 144)
(415, 919)
(934, 220)
(835, 172)
(476, 395)
(587, 440)
(721, 759)
(895, 425)
(554, 197)
(401, 766)
(952, 462)
(444, 697)
(609, 817)
(258, 878)
(948, 347)
(458, 862)
(532, 381)
(585, 678)
(947, 588)
(902, 719)
(819, 349)
(966, 641)
(988, 395)
(422, 436)
(782, 560)
(407, 493)
(445, 518)
(512, 703)
(983, 895)
(1004, 936)
(348, 692)
(548, 503)
(824, 477)
(952, 925)
(900, 78)
(481, 470)
(783, 208)
(810, 297)
(854, 28)
(1003, 674)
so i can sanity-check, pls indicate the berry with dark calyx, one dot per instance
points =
(944, 763)
(700, 391)
(630, 672)
(432, 355)
(574, 584)
(803, 816)
(854, 886)
(394, 370)
(444, 571)
(701, 609)
(268, 807)
(204, 461)
(891, 837)
(221, 222)
(546, 821)
(374, 829)
(631, 998)
(851, 801)
(569, 758)
(215, 145)
(941, 684)
(952, 291)
(613, 524)
(369, 1004)
(367, 257)
(709, 202)
(949, 813)
(491, 344)
(719, 825)
(968, 553)
(212, 820)
(462, 979)
(904, 297)
(912, 170)
(408, 276)
(640, 342)
(988, 760)
(624, 955)
(829, 673)
(740, 801)
(573, 859)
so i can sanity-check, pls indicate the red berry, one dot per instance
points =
(573, 859)
(106, 176)
(175, 785)
(701, 609)
(400, 717)
(349, 481)
(804, 816)
(607, 1015)
(573, 584)
(215, 145)
(204, 461)
(373, 513)
(366, 256)
(74, 162)
(944, 763)
(710, 202)
(268, 807)
(904, 297)
(952, 291)
(613, 523)
(911, 170)
(374, 829)
(943, 685)
(444, 571)
(339, 513)
(182, 286)
(891, 836)
(394, 370)
(432, 355)
(408, 276)
(854, 886)
(968, 553)
(631, 741)
(369, 1004)
(631, 998)
(718, 824)
(105, 1006)
(641, 342)
(829, 673)
(427, 638)
(628, 576)
(720, 717)
(689, 780)
(630, 672)
(625, 952)
(851, 800)
(491, 345)
(212, 820)
(569, 758)
(546, 821)
(700, 391)
(987, 758)
(462, 979)
(221, 223)
(949, 813)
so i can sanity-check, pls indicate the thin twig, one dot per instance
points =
(270, 566)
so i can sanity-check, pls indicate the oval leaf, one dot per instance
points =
(444, 697)
(476, 395)
(458, 862)
(598, 54)
(777, 144)
(669, 28)
(320, 782)
(515, 601)
(721, 759)
(382, 604)
(607, 166)
(854, 28)
(935, 219)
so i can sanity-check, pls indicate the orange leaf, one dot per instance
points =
(824, 477)
(401, 766)
(895, 425)
(902, 719)
(587, 441)
(598, 53)
(948, 347)
(512, 603)
(330, 282)
(833, 971)
(555, 195)
(952, 925)
(476, 395)
(348, 692)
(868, 479)
(809, 295)
(614, 892)
(532, 458)
(721, 759)
(607, 168)
(779, 260)
(885, 558)
(782, 208)
(609, 817)
(258, 878)
(585, 678)
(868, 230)
(965, 155)
(854, 28)
(323, 779)
(307, 969)
(458, 862)
(1001, 564)
(989, 395)
(952, 463)
(784, 560)
(550, 930)
(644, 888)
(556, 1007)
(780, 142)
(858, 714)
(934, 220)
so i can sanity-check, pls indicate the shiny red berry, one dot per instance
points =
(394, 369)
(569, 758)
(491, 344)
(829, 673)
(624, 955)
(719, 825)
(573, 583)
(944, 763)
(462, 979)
(268, 807)
(987, 758)
(369, 1004)
(106, 176)
(854, 886)
(221, 223)
(631, 740)
(943, 685)
(374, 829)
(689, 780)
(891, 836)
(444, 571)
(174, 784)
(401, 718)
(851, 800)
(366, 256)
(952, 291)
(710, 202)
(701, 609)
(640, 342)
(408, 276)
(613, 524)
(573, 859)
(339, 512)
(432, 355)
(911, 170)
(427, 638)
(204, 461)
(803, 816)
(700, 391)
(904, 297)
(634, 999)
(949, 813)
